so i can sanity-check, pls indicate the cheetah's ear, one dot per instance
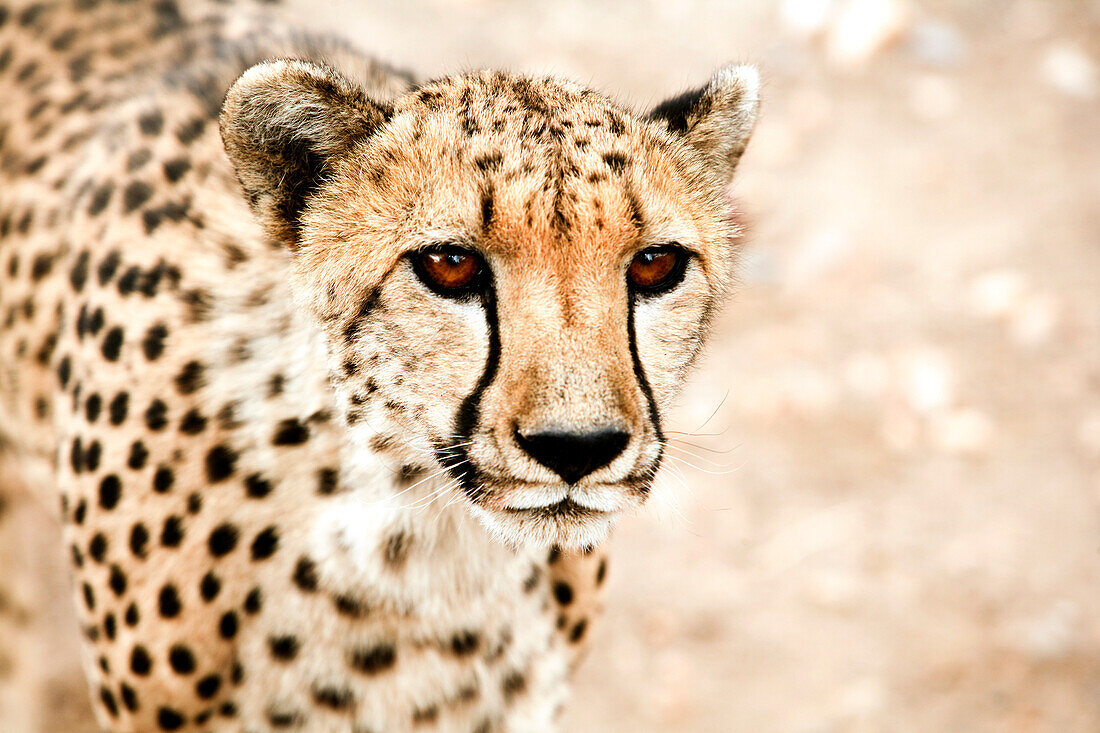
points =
(284, 123)
(718, 118)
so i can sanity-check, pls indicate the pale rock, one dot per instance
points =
(862, 698)
(1033, 320)
(805, 17)
(1067, 68)
(995, 293)
(817, 253)
(933, 97)
(861, 28)
(1088, 433)
(927, 379)
(900, 430)
(867, 374)
(809, 391)
(1052, 634)
(963, 431)
(937, 43)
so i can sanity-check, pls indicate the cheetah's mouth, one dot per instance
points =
(564, 509)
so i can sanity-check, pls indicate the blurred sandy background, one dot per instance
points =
(889, 521)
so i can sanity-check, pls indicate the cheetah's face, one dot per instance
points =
(513, 274)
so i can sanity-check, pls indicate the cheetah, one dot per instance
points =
(337, 379)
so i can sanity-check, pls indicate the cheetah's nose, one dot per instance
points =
(573, 455)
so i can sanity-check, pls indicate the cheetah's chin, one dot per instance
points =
(566, 524)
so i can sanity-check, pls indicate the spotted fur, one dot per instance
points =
(287, 471)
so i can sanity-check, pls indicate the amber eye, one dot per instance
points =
(657, 269)
(450, 271)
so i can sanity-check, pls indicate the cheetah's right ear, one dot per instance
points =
(284, 123)
(717, 118)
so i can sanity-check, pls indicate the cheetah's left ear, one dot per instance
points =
(284, 124)
(717, 118)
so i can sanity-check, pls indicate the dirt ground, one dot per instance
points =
(883, 508)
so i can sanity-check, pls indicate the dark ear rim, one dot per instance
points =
(284, 123)
(716, 118)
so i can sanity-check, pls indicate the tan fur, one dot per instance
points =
(249, 417)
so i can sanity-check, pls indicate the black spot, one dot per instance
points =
(139, 540)
(181, 659)
(221, 461)
(138, 455)
(283, 648)
(156, 415)
(305, 574)
(254, 601)
(397, 548)
(89, 596)
(194, 503)
(563, 593)
(223, 539)
(171, 535)
(168, 601)
(372, 660)
(138, 158)
(92, 406)
(208, 686)
(132, 616)
(337, 698)
(227, 626)
(151, 123)
(97, 547)
(554, 556)
(163, 479)
(189, 131)
(190, 378)
(169, 719)
(140, 661)
(110, 626)
(64, 371)
(423, 716)
(210, 586)
(118, 408)
(327, 479)
(129, 697)
(79, 511)
(153, 343)
(265, 544)
(290, 432)
(577, 632)
(91, 456)
(128, 281)
(192, 423)
(41, 266)
(110, 490)
(512, 684)
(117, 580)
(135, 194)
(285, 718)
(348, 605)
(109, 265)
(256, 486)
(112, 344)
(175, 169)
(616, 162)
(601, 571)
(78, 276)
(108, 701)
(464, 642)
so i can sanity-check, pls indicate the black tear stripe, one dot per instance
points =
(455, 457)
(643, 383)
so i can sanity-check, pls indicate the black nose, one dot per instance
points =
(574, 455)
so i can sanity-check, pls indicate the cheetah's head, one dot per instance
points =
(513, 274)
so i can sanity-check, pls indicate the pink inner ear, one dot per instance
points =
(736, 216)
